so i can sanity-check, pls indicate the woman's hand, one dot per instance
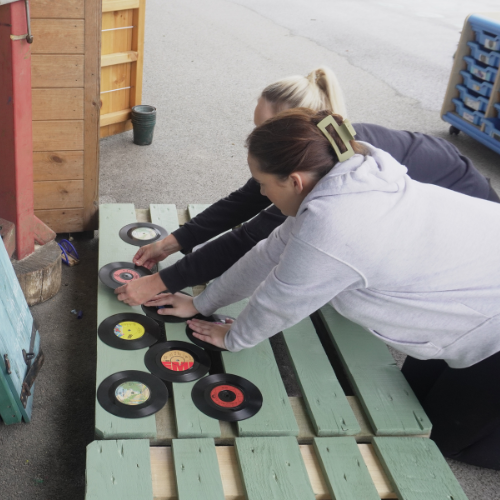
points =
(150, 255)
(213, 333)
(182, 305)
(141, 290)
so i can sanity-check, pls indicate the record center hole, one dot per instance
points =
(227, 396)
(126, 276)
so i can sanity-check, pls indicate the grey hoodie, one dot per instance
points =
(415, 264)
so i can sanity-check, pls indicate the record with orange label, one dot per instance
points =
(226, 397)
(116, 274)
(177, 361)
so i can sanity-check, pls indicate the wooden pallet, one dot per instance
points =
(388, 404)
(270, 468)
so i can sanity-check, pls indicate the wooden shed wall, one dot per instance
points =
(65, 79)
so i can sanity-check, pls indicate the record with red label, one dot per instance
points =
(142, 233)
(116, 274)
(226, 397)
(218, 319)
(152, 312)
(177, 361)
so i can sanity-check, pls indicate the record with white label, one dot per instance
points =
(142, 233)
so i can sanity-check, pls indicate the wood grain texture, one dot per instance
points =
(197, 469)
(117, 40)
(344, 469)
(119, 470)
(386, 397)
(62, 220)
(66, 70)
(112, 217)
(118, 58)
(417, 469)
(138, 46)
(115, 117)
(57, 165)
(327, 405)
(112, 5)
(58, 194)
(48, 9)
(63, 135)
(117, 128)
(58, 36)
(57, 104)
(273, 468)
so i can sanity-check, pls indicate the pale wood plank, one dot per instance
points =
(47, 9)
(112, 5)
(58, 194)
(196, 469)
(62, 220)
(57, 104)
(118, 40)
(57, 165)
(417, 469)
(62, 135)
(117, 128)
(138, 46)
(58, 36)
(66, 70)
(118, 58)
(119, 470)
(115, 117)
(385, 395)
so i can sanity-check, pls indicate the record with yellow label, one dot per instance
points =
(130, 331)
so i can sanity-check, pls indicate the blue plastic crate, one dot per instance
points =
(480, 70)
(472, 99)
(475, 117)
(483, 88)
(492, 128)
(488, 57)
(486, 38)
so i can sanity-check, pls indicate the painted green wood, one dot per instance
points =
(9, 411)
(197, 469)
(390, 405)
(344, 469)
(273, 468)
(119, 470)
(328, 408)
(112, 218)
(191, 422)
(417, 469)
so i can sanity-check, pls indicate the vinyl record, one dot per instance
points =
(177, 361)
(142, 233)
(214, 318)
(116, 274)
(132, 394)
(226, 397)
(129, 331)
(152, 312)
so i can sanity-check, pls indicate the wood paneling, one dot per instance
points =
(117, 128)
(59, 9)
(58, 194)
(58, 135)
(117, 40)
(57, 71)
(112, 5)
(62, 220)
(57, 165)
(116, 117)
(57, 104)
(58, 36)
(118, 58)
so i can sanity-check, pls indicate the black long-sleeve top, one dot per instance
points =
(428, 159)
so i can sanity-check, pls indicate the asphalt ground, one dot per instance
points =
(206, 62)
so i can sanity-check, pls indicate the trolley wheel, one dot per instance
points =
(454, 130)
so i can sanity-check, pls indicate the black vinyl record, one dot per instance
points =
(142, 233)
(152, 312)
(214, 318)
(129, 331)
(116, 274)
(226, 397)
(177, 361)
(132, 394)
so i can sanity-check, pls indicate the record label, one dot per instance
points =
(227, 396)
(177, 361)
(144, 233)
(125, 275)
(132, 393)
(129, 330)
(116, 274)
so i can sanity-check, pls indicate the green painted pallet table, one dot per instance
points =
(271, 467)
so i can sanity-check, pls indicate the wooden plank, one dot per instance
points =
(196, 469)
(58, 194)
(273, 468)
(92, 40)
(57, 104)
(327, 405)
(112, 5)
(115, 117)
(117, 128)
(62, 220)
(112, 217)
(389, 403)
(117, 32)
(57, 165)
(66, 70)
(118, 58)
(417, 469)
(343, 467)
(119, 470)
(47, 9)
(63, 135)
(138, 46)
(58, 36)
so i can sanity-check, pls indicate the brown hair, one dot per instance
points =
(292, 142)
